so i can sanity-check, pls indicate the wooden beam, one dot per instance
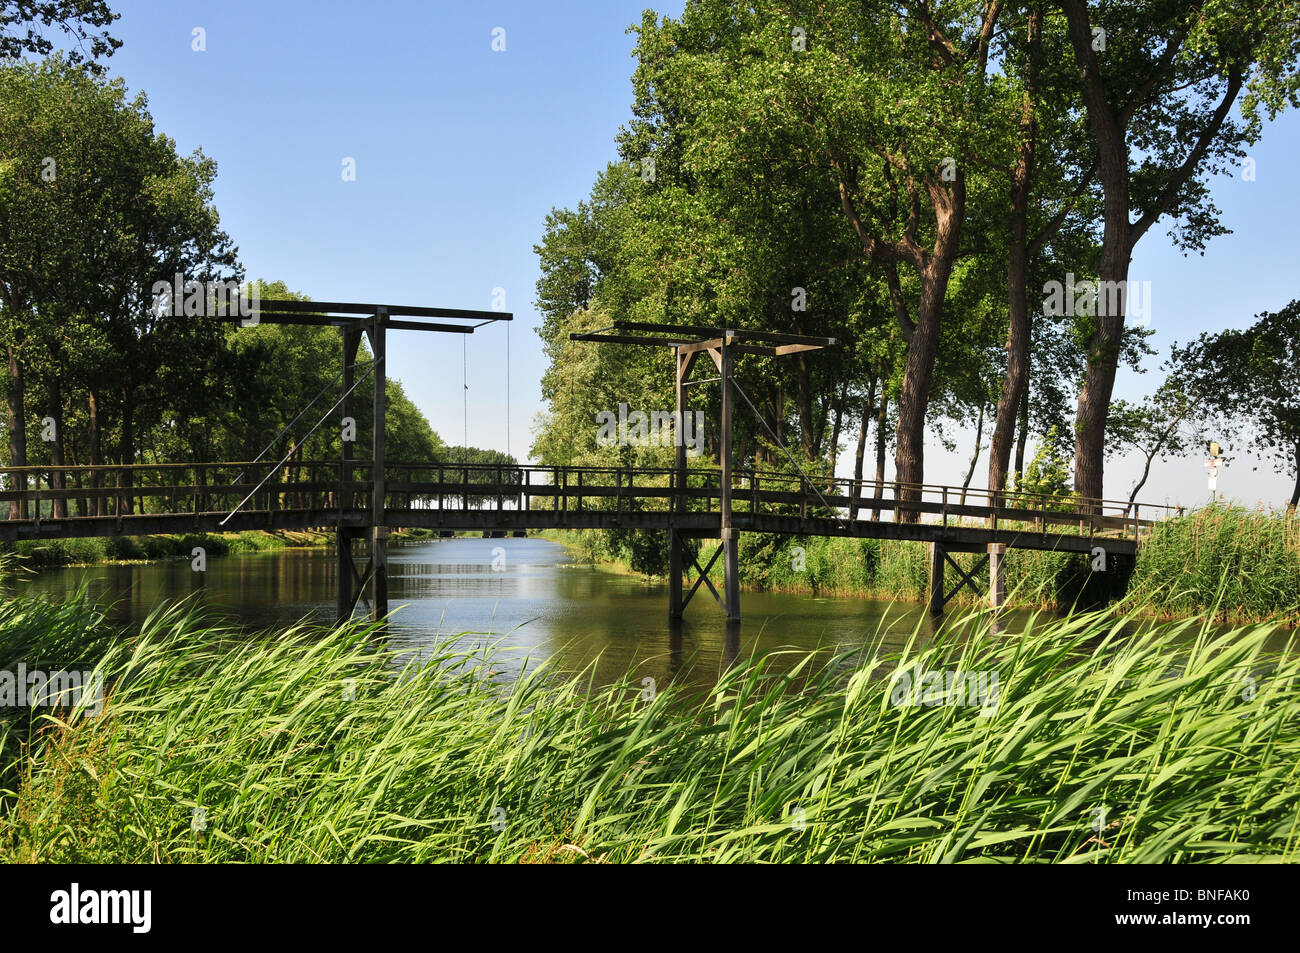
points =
(274, 305)
(700, 346)
(378, 529)
(629, 339)
(774, 337)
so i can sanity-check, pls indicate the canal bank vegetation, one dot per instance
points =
(1240, 564)
(89, 551)
(110, 549)
(1082, 741)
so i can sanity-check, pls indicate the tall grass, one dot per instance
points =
(1174, 743)
(1246, 560)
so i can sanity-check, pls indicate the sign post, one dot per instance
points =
(1212, 464)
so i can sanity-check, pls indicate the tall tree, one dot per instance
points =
(1159, 80)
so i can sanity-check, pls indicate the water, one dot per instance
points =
(538, 605)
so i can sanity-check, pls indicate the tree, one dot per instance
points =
(1051, 201)
(1156, 428)
(1048, 473)
(76, 18)
(1250, 377)
(1159, 80)
(90, 222)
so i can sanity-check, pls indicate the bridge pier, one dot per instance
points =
(343, 587)
(997, 575)
(674, 577)
(938, 556)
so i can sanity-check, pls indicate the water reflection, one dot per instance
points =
(522, 596)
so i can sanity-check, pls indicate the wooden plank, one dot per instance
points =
(629, 339)
(289, 306)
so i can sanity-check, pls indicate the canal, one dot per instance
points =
(524, 597)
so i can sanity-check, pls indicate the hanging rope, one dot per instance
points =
(763, 421)
(285, 430)
(337, 404)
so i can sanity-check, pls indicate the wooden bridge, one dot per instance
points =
(339, 495)
(366, 498)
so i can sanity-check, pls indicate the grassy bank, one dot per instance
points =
(1171, 744)
(1242, 565)
(91, 550)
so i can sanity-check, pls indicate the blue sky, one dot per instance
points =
(461, 151)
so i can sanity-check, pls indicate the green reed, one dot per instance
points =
(1107, 743)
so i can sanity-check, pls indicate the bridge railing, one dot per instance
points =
(948, 505)
(81, 492)
(73, 492)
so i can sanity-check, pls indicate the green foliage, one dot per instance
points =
(85, 240)
(62, 552)
(77, 19)
(1048, 473)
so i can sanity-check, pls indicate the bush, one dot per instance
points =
(61, 552)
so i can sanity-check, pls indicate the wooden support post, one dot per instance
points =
(997, 575)
(936, 579)
(683, 364)
(346, 598)
(378, 531)
(345, 595)
(730, 553)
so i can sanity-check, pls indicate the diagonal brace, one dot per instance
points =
(967, 578)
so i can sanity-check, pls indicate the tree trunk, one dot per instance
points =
(1016, 383)
(970, 472)
(126, 456)
(804, 397)
(1146, 472)
(96, 455)
(835, 432)
(1022, 437)
(923, 348)
(1295, 494)
(58, 507)
(863, 424)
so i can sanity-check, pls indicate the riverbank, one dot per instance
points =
(94, 551)
(1054, 746)
(1236, 564)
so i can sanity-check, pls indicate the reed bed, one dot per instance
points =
(1172, 743)
(1246, 561)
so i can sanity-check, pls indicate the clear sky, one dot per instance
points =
(460, 151)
